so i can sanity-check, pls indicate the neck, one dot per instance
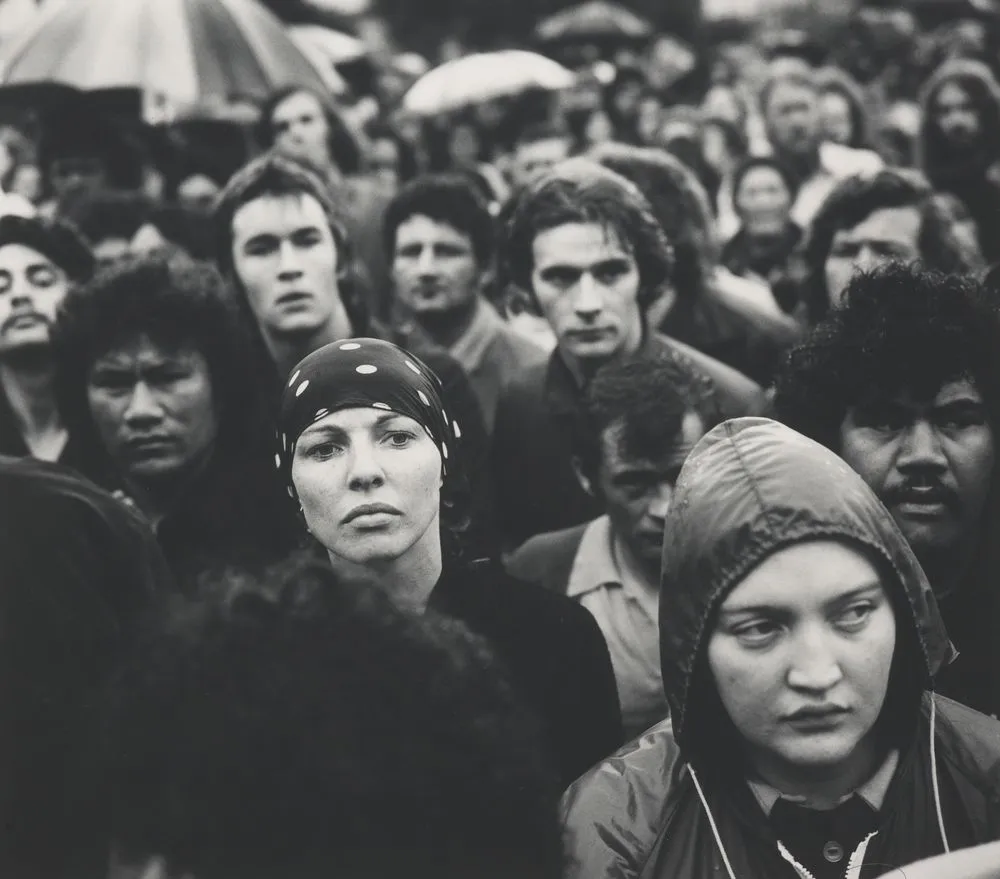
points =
(805, 165)
(584, 370)
(288, 349)
(947, 568)
(159, 497)
(446, 328)
(822, 787)
(27, 383)
(632, 564)
(408, 579)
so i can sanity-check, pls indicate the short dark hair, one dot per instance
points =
(342, 145)
(680, 205)
(751, 162)
(256, 733)
(276, 175)
(173, 300)
(56, 240)
(444, 198)
(580, 191)
(856, 198)
(901, 328)
(649, 394)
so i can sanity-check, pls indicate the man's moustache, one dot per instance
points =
(14, 318)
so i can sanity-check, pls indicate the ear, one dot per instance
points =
(585, 482)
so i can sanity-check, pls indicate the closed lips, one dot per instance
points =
(370, 510)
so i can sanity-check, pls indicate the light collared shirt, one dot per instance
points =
(872, 791)
(627, 612)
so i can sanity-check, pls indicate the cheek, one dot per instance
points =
(744, 685)
(105, 412)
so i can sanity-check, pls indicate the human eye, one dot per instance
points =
(756, 633)
(961, 417)
(888, 419)
(321, 450)
(408, 251)
(560, 277)
(260, 246)
(610, 272)
(42, 276)
(399, 439)
(307, 238)
(844, 249)
(856, 616)
(5, 282)
(111, 382)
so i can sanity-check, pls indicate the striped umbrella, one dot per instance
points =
(181, 53)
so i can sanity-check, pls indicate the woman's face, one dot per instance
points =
(763, 201)
(835, 118)
(801, 655)
(599, 128)
(464, 145)
(369, 482)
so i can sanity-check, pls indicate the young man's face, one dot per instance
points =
(930, 461)
(956, 115)
(801, 655)
(792, 116)
(434, 267)
(285, 258)
(885, 235)
(31, 289)
(637, 491)
(153, 409)
(300, 129)
(587, 283)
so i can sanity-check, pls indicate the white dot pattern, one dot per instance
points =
(295, 377)
(444, 451)
(320, 413)
(301, 389)
(458, 432)
(385, 406)
(412, 368)
(350, 346)
(366, 369)
(423, 398)
(277, 461)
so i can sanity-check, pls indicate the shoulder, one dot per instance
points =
(975, 733)
(640, 777)
(738, 395)
(547, 558)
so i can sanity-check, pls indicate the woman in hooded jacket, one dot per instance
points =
(799, 640)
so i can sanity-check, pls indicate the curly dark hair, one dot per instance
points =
(680, 205)
(342, 145)
(108, 213)
(257, 733)
(580, 191)
(56, 240)
(902, 328)
(445, 198)
(856, 198)
(275, 175)
(174, 301)
(649, 394)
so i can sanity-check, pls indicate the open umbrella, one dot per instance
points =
(484, 77)
(595, 20)
(336, 47)
(180, 53)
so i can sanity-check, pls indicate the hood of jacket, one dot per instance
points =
(748, 489)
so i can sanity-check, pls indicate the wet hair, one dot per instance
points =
(341, 145)
(275, 175)
(256, 734)
(109, 213)
(680, 205)
(902, 328)
(855, 199)
(175, 302)
(649, 395)
(580, 191)
(444, 198)
(752, 162)
(56, 240)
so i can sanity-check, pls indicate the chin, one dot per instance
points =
(32, 339)
(299, 324)
(818, 751)
(596, 352)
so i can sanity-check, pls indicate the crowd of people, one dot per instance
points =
(555, 492)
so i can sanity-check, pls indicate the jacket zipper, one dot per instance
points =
(853, 865)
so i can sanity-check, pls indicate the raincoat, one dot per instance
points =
(675, 803)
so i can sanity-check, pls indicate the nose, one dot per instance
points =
(815, 667)
(867, 259)
(660, 505)
(426, 264)
(143, 410)
(289, 267)
(365, 471)
(587, 302)
(920, 448)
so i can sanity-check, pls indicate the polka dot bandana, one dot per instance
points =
(360, 373)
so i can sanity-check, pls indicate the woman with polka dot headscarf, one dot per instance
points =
(374, 462)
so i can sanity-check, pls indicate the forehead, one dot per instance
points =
(578, 244)
(144, 351)
(787, 92)
(359, 419)
(828, 568)
(962, 390)
(951, 94)
(19, 255)
(900, 224)
(421, 228)
(278, 215)
(835, 101)
(296, 105)
(762, 175)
